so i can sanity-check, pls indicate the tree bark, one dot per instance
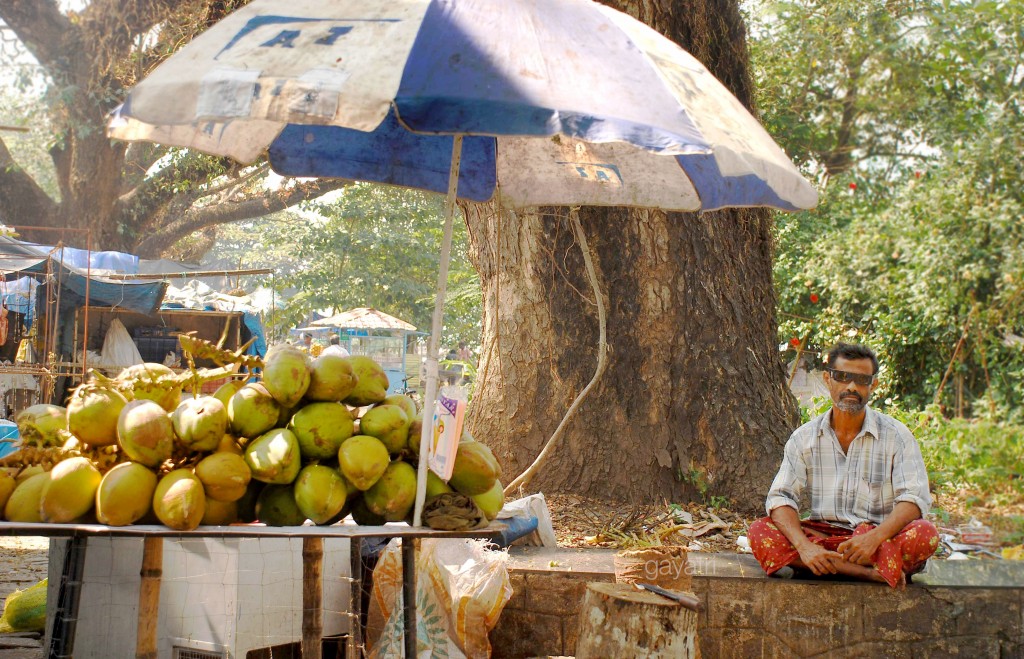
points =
(694, 404)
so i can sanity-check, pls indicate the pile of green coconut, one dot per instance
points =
(314, 440)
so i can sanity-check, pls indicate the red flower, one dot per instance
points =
(814, 298)
(853, 186)
(918, 173)
(795, 342)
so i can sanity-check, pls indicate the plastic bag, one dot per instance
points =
(461, 589)
(118, 348)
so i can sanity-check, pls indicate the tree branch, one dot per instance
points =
(158, 190)
(233, 211)
(41, 27)
(23, 201)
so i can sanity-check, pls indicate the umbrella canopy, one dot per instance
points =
(562, 102)
(364, 318)
(530, 102)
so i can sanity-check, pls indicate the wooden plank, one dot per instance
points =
(312, 596)
(149, 598)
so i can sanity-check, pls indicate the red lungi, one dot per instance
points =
(905, 552)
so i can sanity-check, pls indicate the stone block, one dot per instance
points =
(700, 587)
(710, 642)
(555, 593)
(911, 615)
(526, 634)
(814, 618)
(570, 634)
(958, 646)
(741, 643)
(985, 611)
(518, 599)
(734, 603)
(872, 649)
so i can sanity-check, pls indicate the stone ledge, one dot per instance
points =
(956, 609)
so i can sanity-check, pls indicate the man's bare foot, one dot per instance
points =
(862, 572)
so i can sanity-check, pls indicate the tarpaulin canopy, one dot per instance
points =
(18, 259)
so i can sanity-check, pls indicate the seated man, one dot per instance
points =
(867, 483)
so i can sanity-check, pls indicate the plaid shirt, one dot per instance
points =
(882, 466)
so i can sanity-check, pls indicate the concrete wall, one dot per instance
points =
(751, 616)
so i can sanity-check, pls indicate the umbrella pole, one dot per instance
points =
(427, 434)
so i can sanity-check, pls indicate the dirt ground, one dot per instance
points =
(23, 563)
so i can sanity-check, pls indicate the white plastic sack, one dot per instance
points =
(461, 589)
(118, 348)
(534, 505)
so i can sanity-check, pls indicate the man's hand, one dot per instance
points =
(818, 559)
(860, 548)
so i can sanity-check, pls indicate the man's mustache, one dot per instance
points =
(853, 395)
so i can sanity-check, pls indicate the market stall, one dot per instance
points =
(42, 292)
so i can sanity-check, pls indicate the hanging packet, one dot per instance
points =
(449, 412)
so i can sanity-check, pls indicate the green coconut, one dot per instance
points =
(492, 501)
(151, 381)
(320, 493)
(371, 382)
(363, 459)
(145, 432)
(252, 411)
(7, 485)
(475, 469)
(227, 390)
(394, 493)
(405, 402)
(320, 429)
(286, 374)
(71, 492)
(364, 516)
(42, 425)
(274, 457)
(225, 476)
(200, 423)
(23, 504)
(276, 507)
(92, 413)
(389, 424)
(179, 501)
(220, 513)
(125, 494)
(331, 379)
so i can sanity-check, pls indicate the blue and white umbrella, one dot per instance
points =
(531, 102)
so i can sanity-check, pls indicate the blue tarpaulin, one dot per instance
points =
(18, 259)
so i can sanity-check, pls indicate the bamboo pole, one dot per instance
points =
(312, 597)
(149, 598)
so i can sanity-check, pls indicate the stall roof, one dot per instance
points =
(18, 259)
(364, 318)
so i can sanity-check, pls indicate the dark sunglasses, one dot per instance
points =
(846, 376)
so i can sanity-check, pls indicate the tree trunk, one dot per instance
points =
(694, 403)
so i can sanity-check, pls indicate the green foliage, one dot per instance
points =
(969, 455)
(911, 114)
(374, 246)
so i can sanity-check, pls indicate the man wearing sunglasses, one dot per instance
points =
(866, 482)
